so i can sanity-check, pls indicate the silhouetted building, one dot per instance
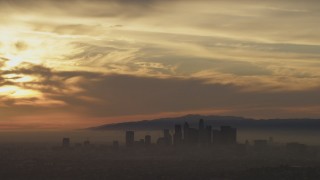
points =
(66, 142)
(186, 135)
(190, 136)
(139, 143)
(166, 133)
(147, 140)
(209, 134)
(129, 138)
(161, 141)
(216, 137)
(201, 124)
(166, 140)
(167, 137)
(177, 137)
(296, 147)
(193, 136)
(260, 144)
(202, 133)
(228, 135)
(205, 133)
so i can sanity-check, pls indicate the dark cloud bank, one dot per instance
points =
(108, 95)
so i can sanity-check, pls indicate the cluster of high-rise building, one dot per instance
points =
(182, 135)
(131, 142)
(187, 135)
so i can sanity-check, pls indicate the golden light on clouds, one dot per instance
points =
(17, 92)
(19, 78)
(100, 58)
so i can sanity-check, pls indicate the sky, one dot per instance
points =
(77, 63)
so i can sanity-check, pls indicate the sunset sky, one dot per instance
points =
(77, 63)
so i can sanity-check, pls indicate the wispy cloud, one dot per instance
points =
(119, 58)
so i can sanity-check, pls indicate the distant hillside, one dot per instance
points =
(215, 121)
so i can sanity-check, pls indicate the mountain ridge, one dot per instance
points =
(213, 120)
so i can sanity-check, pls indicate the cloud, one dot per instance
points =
(2, 61)
(113, 58)
(82, 8)
(21, 46)
(69, 29)
(99, 95)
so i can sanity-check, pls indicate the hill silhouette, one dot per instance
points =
(215, 122)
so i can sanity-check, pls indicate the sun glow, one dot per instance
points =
(20, 78)
(17, 92)
(12, 62)
(25, 49)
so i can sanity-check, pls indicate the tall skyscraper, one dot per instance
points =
(129, 138)
(201, 124)
(166, 133)
(141, 142)
(186, 135)
(167, 137)
(177, 138)
(166, 140)
(147, 140)
(202, 133)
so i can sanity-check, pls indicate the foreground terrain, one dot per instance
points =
(43, 161)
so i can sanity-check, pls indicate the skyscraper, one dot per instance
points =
(228, 135)
(202, 133)
(260, 144)
(166, 133)
(147, 140)
(201, 124)
(216, 137)
(177, 138)
(166, 140)
(193, 136)
(167, 137)
(186, 135)
(129, 138)
(208, 134)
